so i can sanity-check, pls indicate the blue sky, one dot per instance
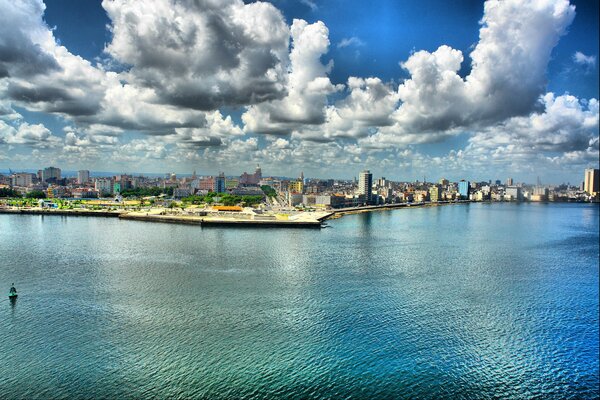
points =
(328, 88)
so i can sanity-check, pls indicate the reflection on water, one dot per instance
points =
(469, 300)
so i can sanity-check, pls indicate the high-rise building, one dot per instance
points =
(463, 189)
(591, 181)
(509, 181)
(50, 173)
(83, 176)
(365, 185)
(219, 183)
(434, 194)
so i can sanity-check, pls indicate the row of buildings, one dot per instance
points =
(303, 192)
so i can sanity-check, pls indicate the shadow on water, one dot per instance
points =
(13, 304)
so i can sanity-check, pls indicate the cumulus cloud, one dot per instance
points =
(507, 70)
(23, 40)
(31, 135)
(204, 54)
(307, 85)
(182, 63)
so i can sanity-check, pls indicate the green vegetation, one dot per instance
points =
(6, 192)
(268, 190)
(36, 194)
(224, 198)
(147, 191)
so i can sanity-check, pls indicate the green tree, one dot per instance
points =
(36, 194)
(6, 192)
(268, 190)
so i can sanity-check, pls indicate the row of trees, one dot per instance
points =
(224, 198)
(34, 194)
(269, 191)
(147, 191)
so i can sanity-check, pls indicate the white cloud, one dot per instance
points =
(201, 55)
(582, 59)
(184, 61)
(310, 4)
(351, 41)
(31, 135)
(307, 85)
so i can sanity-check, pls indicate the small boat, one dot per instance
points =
(12, 294)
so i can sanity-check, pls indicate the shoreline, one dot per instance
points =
(307, 219)
(302, 220)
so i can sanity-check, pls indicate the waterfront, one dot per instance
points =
(479, 300)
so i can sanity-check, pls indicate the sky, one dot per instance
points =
(462, 90)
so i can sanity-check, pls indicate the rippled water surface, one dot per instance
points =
(471, 301)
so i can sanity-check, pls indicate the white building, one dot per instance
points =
(83, 176)
(22, 179)
(103, 185)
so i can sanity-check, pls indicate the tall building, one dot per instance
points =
(509, 181)
(365, 184)
(50, 173)
(434, 194)
(219, 183)
(591, 182)
(83, 176)
(463, 189)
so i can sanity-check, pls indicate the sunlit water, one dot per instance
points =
(471, 301)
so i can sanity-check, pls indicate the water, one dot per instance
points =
(463, 301)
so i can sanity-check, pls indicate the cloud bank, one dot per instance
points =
(173, 69)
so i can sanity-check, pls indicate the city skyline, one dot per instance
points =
(324, 88)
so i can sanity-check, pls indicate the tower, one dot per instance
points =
(365, 184)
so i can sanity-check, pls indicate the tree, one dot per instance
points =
(6, 192)
(268, 190)
(36, 194)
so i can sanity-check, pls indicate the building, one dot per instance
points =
(509, 181)
(296, 186)
(206, 183)
(83, 176)
(22, 179)
(365, 185)
(434, 194)
(247, 179)
(513, 193)
(219, 184)
(591, 182)
(539, 194)
(444, 182)
(104, 186)
(464, 188)
(51, 173)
